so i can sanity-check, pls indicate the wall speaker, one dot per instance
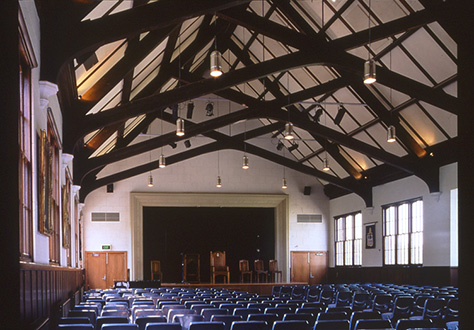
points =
(307, 190)
(110, 188)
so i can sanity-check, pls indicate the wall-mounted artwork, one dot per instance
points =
(370, 236)
(66, 217)
(45, 223)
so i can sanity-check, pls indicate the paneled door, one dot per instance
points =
(309, 266)
(103, 268)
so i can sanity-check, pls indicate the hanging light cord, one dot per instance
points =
(370, 34)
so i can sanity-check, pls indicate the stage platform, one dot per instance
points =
(259, 288)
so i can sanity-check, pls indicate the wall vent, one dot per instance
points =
(105, 216)
(309, 218)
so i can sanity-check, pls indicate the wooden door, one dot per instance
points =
(116, 267)
(308, 266)
(299, 266)
(318, 267)
(96, 270)
(103, 268)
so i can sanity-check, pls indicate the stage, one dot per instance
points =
(259, 288)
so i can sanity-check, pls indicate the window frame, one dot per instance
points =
(354, 243)
(55, 197)
(25, 154)
(398, 229)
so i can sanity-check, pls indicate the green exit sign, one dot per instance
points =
(106, 247)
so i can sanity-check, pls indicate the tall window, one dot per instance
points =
(25, 172)
(349, 239)
(403, 233)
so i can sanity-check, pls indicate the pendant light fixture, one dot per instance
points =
(245, 162)
(162, 159)
(150, 180)
(391, 133)
(283, 181)
(180, 127)
(219, 182)
(325, 160)
(179, 121)
(326, 164)
(289, 131)
(216, 56)
(245, 159)
(288, 134)
(369, 65)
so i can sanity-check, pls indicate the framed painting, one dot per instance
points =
(45, 225)
(66, 193)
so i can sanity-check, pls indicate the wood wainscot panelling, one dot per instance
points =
(44, 291)
(437, 276)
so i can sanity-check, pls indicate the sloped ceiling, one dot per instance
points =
(123, 65)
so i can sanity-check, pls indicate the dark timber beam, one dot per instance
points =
(235, 143)
(184, 93)
(79, 38)
(331, 54)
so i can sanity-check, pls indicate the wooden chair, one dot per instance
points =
(244, 270)
(156, 270)
(192, 268)
(259, 269)
(218, 266)
(275, 273)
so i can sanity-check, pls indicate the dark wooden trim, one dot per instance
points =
(437, 276)
(44, 290)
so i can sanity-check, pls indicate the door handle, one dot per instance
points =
(311, 275)
(105, 278)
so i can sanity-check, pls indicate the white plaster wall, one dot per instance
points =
(199, 175)
(436, 215)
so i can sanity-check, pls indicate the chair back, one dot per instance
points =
(332, 325)
(372, 324)
(249, 325)
(273, 265)
(434, 308)
(218, 260)
(405, 324)
(258, 265)
(226, 319)
(243, 265)
(291, 325)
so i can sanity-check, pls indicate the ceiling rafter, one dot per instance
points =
(236, 143)
(91, 34)
(276, 91)
(325, 53)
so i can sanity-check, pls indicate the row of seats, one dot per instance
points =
(200, 309)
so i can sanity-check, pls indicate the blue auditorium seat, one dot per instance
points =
(206, 325)
(332, 325)
(119, 326)
(249, 325)
(142, 321)
(291, 325)
(227, 319)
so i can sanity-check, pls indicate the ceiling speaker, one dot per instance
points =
(110, 188)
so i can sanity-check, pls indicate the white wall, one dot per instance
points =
(436, 215)
(199, 175)
(43, 97)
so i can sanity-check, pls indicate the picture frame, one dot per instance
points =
(66, 218)
(370, 236)
(45, 223)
